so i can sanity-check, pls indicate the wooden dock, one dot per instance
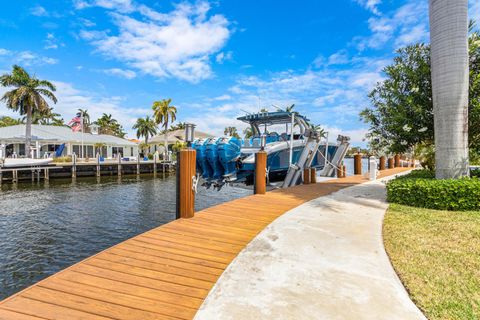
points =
(167, 272)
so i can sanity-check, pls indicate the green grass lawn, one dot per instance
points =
(437, 256)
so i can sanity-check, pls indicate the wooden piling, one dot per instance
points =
(357, 164)
(397, 161)
(382, 163)
(46, 173)
(74, 165)
(119, 164)
(155, 162)
(306, 176)
(260, 172)
(313, 175)
(98, 165)
(138, 164)
(390, 163)
(344, 167)
(186, 164)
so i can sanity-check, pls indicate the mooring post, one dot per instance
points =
(260, 186)
(186, 183)
(373, 168)
(313, 175)
(97, 156)
(306, 176)
(357, 164)
(344, 169)
(390, 163)
(46, 173)
(14, 176)
(382, 162)
(155, 162)
(74, 165)
(397, 160)
(138, 163)
(119, 164)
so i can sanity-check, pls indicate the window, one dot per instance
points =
(117, 150)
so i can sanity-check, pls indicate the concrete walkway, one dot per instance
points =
(322, 260)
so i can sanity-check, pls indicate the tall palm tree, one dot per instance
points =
(449, 59)
(27, 97)
(164, 113)
(145, 127)
(108, 125)
(86, 119)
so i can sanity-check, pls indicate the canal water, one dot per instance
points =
(46, 227)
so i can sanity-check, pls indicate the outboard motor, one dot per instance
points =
(203, 168)
(228, 149)
(212, 158)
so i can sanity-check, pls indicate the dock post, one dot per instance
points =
(372, 172)
(46, 173)
(119, 164)
(260, 172)
(155, 162)
(397, 160)
(313, 175)
(306, 176)
(14, 176)
(1, 177)
(382, 163)
(340, 172)
(74, 165)
(186, 183)
(98, 164)
(390, 163)
(138, 163)
(357, 164)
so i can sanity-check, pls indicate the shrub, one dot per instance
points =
(419, 189)
(475, 173)
(63, 159)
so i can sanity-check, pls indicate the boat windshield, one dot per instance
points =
(262, 120)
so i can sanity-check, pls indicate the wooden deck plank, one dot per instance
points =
(167, 272)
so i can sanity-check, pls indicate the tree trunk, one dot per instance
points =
(165, 145)
(28, 132)
(449, 59)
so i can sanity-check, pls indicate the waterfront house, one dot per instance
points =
(47, 139)
(157, 142)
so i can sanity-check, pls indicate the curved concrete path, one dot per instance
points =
(322, 260)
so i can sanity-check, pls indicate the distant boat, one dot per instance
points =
(24, 162)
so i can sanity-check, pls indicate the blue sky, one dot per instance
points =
(215, 59)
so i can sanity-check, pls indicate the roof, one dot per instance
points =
(177, 135)
(60, 134)
(270, 118)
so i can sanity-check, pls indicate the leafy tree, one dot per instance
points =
(9, 121)
(27, 97)
(401, 111)
(99, 147)
(248, 133)
(163, 114)
(231, 131)
(46, 117)
(108, 125)
(145, 127)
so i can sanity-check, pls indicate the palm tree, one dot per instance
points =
(450, 83)
(86, 119)
(6, 121)
(322, 133)
(145, 127)
(163, 113)
(27, 97)
(46, 117)
(231, 131)
(248, 132)
(108, 125)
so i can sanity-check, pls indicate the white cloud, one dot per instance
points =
(178, 44)
(371, 5)
(223, 56)
(4, 52)
(223, 97)
(127, 74)
(119, 5)
(339, 57)
(39, 11)
(403, 26)
(28, 58)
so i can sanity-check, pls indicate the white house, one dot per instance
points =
(48, 139)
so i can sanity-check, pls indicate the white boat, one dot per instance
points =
(24, 162)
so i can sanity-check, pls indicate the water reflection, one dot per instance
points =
(46, 226)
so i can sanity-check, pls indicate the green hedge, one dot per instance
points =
(420, 189)
(475, 173)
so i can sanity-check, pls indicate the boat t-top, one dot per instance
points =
(223, 160)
